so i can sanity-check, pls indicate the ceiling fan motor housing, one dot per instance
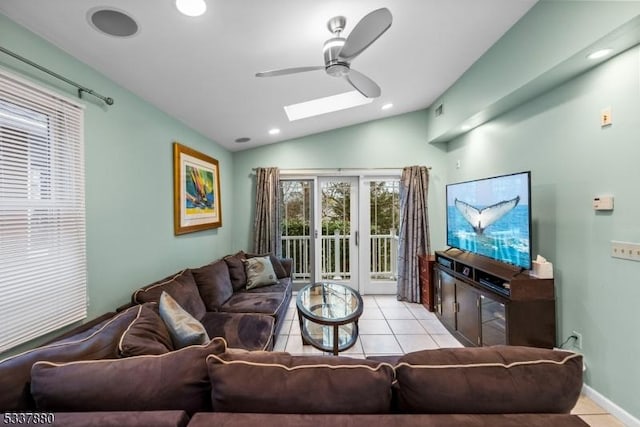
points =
(334, 65)
(339, 51)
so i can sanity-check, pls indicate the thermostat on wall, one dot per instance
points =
(603, 203)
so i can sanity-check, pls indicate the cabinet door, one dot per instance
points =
(494, 322)
(468, 316)
(446, 298)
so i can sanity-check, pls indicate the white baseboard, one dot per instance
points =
(626, 418)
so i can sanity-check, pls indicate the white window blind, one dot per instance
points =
(42, 212)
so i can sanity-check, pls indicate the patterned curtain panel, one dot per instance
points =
(414, 230)
(266, 225)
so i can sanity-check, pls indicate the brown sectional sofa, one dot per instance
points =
(213, 385)
(215, 294)
(84, 380)
(203, 292)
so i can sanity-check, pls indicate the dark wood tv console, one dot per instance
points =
(485, 302)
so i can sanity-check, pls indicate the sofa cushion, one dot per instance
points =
(147, 334)
(280, 383)
(121, 419)
(489, 380)
(236, 270)
(181, 286)
(241, 330)
(214, 284)
(184, 328)
(245, 302)
(172, 381)
(228, 419)
(275, 263)
(282, 286)
(100, 342)
(259, 271)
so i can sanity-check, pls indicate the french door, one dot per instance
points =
(336, 230)
(379, 224)
(342, 229)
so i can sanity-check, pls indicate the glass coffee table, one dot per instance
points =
(328, 314)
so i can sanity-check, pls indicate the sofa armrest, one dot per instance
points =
(287, 264)
(79, 329)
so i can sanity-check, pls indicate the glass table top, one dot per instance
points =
(329, 302)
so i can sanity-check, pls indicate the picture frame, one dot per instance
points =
(196, 191)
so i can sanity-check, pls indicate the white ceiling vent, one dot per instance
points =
(439, 110)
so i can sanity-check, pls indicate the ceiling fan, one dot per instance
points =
(339, 52)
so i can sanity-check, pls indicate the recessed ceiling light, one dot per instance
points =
(599, 53)
(326, 105)
(387, 106)
(274, 131)
(191, 7)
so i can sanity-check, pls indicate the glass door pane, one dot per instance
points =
(383, 223)
(296, 226)
(338, 230)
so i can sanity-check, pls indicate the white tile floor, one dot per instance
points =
(388, 327)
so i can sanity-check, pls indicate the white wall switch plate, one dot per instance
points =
(625, 250)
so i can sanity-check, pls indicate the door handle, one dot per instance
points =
(315, 234)
(357, 238)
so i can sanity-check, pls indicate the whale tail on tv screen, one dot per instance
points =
(480, 219)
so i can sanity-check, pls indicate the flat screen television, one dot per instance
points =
(492, 217)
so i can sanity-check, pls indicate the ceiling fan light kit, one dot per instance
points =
(339, 51)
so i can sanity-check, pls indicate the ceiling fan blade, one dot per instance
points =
(366, 32)
(284, 71)
(363, 84)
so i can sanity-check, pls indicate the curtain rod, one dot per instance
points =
(340, 169)
(81, 89)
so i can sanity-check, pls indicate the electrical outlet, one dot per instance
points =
(577, 343)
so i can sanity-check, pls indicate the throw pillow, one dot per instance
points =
(176, 380)
(147, 334)
(259, 272)
(275, 262)
(181, 286)
(274, 382)
(214, 284)
(184, 329)
(236, 270)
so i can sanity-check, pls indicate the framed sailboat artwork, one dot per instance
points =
(196, 191)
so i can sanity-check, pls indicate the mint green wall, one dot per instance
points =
(129, 181)
(558, 137)
(394, 142)
(530, 57)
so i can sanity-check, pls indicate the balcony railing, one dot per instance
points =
(335, 256)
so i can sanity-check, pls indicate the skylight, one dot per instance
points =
(329, 104)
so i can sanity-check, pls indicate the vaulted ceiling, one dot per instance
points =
(201, 70)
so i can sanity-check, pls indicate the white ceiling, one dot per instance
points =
(201, 70)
